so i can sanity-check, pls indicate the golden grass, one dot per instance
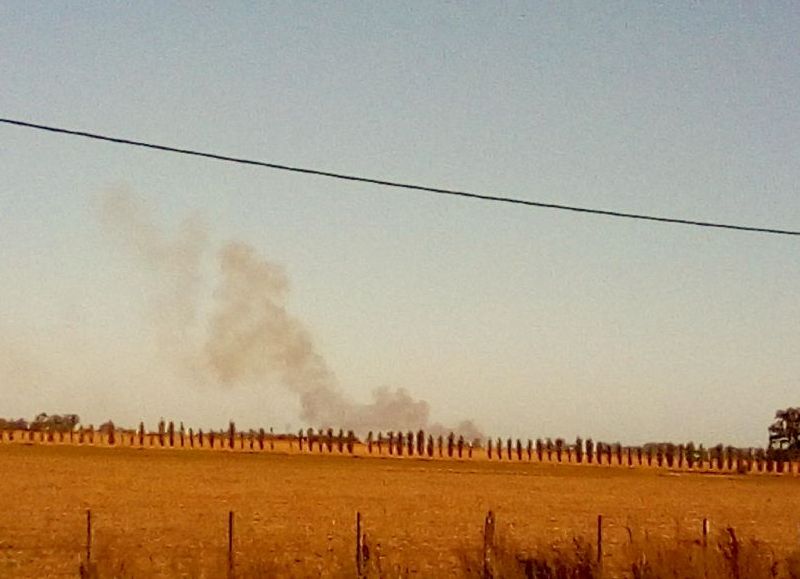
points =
(163, 513)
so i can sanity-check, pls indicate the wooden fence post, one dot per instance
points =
(488, 545)
(359, 545)
(230, 545)
(600, 540)
(88, 536)
(705, 546)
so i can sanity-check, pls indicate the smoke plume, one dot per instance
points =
(246, 335)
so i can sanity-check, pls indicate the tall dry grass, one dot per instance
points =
(724, 556)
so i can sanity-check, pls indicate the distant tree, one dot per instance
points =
(702, 456)
(559, 448)
(489, 449)
(12, 424)
(690, 454)
(669, 454)
(430, 446)
(784, 434)
(108, 430)
(719, 453)
(369, 442)
(579, 450)
(589, 450)
(761, 456)
(741, 464)
(46, 423)
(421, 443)
(329, 439)
(231, 434)
(410, 443)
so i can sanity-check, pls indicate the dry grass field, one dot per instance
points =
(159, 512)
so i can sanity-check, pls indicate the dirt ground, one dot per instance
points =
(160, 512)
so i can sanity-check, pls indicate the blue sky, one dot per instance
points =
(532, 322)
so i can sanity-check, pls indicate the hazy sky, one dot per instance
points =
(532, 322)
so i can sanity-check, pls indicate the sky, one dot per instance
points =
(531, 322)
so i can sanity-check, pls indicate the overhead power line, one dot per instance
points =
(398, 184)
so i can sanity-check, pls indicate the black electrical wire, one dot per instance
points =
(398, 184)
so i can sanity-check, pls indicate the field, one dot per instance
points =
(164, 512)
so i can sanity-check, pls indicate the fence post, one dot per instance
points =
(600, 540)
(359, 544)
(705, 546)
(230, 545)
(88, 536)
(488, 545)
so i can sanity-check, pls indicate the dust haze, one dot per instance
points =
(245, 334)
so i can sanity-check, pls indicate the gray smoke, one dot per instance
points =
(176, 264)
(249, 335)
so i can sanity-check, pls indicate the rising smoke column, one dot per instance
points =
(248, 336)
(251, 335)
